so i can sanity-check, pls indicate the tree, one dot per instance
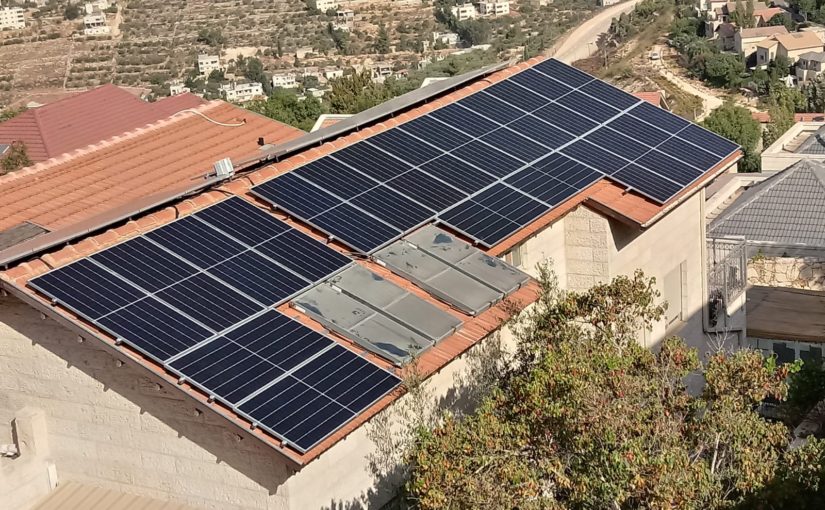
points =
(211, 37)
(356, 93)
(724, 70)
(71, 12)
(285, 106)
(783, 102)
(10, 113)
(382, 41)
(749, 20)
(735, 123)
(474, 31)
(585, 417)
(254, 71)
(15, 158)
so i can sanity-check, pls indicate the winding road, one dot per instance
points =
(580, 42)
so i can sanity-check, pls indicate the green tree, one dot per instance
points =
(474, 31)
(749, 21)
(286, 107)
(10, 113)
(211, 37)
(254, 71)
(356, 93)
(782, 102)
(15, 158)
(724, 70)
(735, 123)
(71, 12)
(587, 418)
(382, 41)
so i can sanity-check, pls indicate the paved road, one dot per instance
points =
(581, 41)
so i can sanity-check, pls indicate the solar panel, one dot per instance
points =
(513, 131)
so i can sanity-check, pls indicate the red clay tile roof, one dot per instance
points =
(654, 98)
(765, 117)
(603, 194)
(181, 148)
(87, 118)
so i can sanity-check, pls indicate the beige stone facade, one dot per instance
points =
(798, 273)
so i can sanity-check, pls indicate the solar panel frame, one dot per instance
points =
(465, 120)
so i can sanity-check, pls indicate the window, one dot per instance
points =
(675, 293)
(516, 256)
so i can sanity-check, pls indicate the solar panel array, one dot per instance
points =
(197, 295)
(496, 160)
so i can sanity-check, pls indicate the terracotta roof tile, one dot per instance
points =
(86, 118)
(654, 98)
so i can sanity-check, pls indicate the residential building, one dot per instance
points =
(345, 17)
(380, 71)
(11, 18)
(95, 24)
(86, 118)
(176, 88)
(790, 46)
(464, 11)
(242, 91)
(764, 16)
(95, 6)
(98, 407)
(317, 93)
(209, 63)
(284, 80)
(607, 3)
(326, 5)
(726, 36)
(746, 39)
(778, 218)
(303, 51)
(493, 8)
(449, 39)
(331, 73)
(656, 98)
(805, 140)
(809, 66)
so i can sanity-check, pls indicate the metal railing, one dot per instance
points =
(727, 268)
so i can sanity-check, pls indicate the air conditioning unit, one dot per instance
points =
(224, 168)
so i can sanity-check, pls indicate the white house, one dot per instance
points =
(208, 63)
(464, 12)
(284, 80)
(241, 92)
(447, 38)
(11, 18)
(331, 73)
(325, 5)
(177, 87)
(95, 5)
(95, 24)
(493, 8)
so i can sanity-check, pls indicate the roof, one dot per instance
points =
(814, 56)
(180, 149)
(787, 208)
(328, 119)
(782, 313)
(814, 144)
(767, 43)
(603, 195)
(765, 117)
(87, 118)
(731, 7)
(656, 97)
(726, 30)
(799, 40)
(750, 33)
(767, 14)
(77, 496)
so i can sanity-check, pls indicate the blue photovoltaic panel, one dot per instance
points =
(312, 402)
(515, 130)
(296, 196)
(355, 228)
(145, 264)
(209, 301)
(259, 278)
(154, 328)
(196, 242)
(243, 221)
(87, 288)
(330, 174)
(303, 255)
(407, 147)
(510, 203)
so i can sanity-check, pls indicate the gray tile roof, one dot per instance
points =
(813, 56)
(786, 208)
(815, 144)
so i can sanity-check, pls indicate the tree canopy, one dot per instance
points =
(285, 106)
(735, 123)
(584, 417)
(15, 158)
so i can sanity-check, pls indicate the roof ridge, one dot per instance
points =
(115, 139)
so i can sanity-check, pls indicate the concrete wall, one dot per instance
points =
(114, 424)
(799, 273)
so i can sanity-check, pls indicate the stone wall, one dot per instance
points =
(799, 273)
(586, 248)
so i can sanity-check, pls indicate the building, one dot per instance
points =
(809, 66)
(607, 3)
(790, 46)
(464, 11)
(726, 36)
(95, 24)
(176, 88)
(331, 73)
(11, 18)
(380, 71)
(209, 63)
(805, 140)
(242, 92)
(95, 6)
(449, 39)
(764, 16)
(284, 80)
(746, 39)
(656, 98)
(86, 118)
(106, 409)
(326, 5)
(779, 219)
(493, 8)
(345, 17)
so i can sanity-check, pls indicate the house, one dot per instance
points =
(326, 5)
(176, 88)
(779, 218)
(790, 46)
(726, 36)
(764, 16)
(607, 3)
(86, 118)
(103, 408)
(464, 12)
(656, 98)
(95, 6)
(809, 65)
(331, 73)
(380, 71)
(493, 8)
(209, 63)
(95, 24)
(284, 80)
(242, 91)
(449, 39)
(746, 39)
(345, 17)
(805, 140)
(11, 18)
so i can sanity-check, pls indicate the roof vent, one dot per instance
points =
(224, 168)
